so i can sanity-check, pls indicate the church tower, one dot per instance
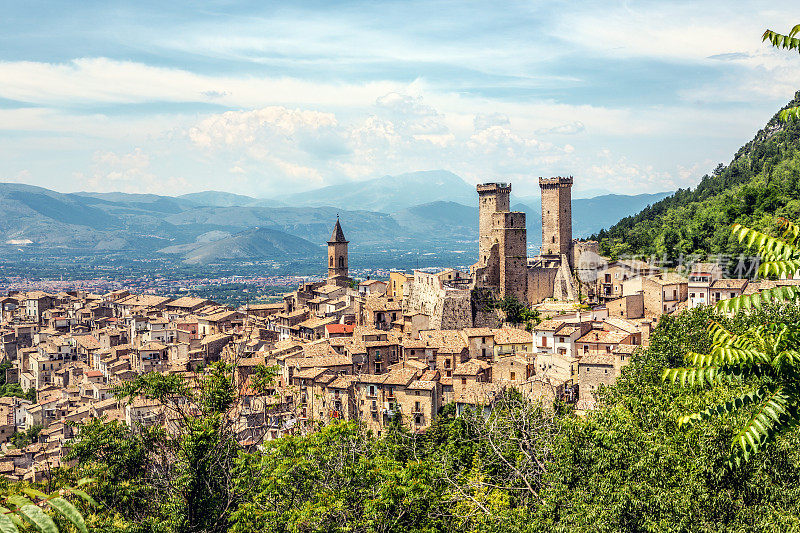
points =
(337, 253)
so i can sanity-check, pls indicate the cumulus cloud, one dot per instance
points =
(127, 172)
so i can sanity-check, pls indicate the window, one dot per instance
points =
(331, 260)
(554, 239)
(513, 376)
(341, 261)
(463, 381)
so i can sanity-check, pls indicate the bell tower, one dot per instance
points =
(337, 253)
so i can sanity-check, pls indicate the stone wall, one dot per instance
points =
(447, 308)
(540, 283)
(631, 306)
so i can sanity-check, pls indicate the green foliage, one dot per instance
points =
(20, 512)
(766, 356)
(22, 439)
(517, 312)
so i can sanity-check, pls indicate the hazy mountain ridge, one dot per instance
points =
(123, 223)
(249, 244)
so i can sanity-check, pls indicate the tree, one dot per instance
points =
(19, 512)
(765, 356)
(789, 42)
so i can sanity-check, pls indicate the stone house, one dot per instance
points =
(601, 341)
(701, 276)
(512, 341)
(610, 279)
(594, 370)
(663, 293)
(725, 289)
(630, 306)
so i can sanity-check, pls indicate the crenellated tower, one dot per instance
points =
(502, 242)
(557, 217)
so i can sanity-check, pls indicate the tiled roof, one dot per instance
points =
(727, 283)
(512, 336)
(597, 359)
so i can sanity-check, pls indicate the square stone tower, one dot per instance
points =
(502, 243)
(492, 198)
(557, 217)
(512, 237)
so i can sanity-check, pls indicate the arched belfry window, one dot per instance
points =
(331, 260)
(341, 261)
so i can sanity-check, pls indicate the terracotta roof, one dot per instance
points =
(668, 278)
(625, 325)
(729, 284)
(512, 336)
(421, 385)
(603, 336)
(626, 348)
(473, 367)
(339, 328)
(597, 359)
(188, 302)
(477, 332)
(152, 346)
(552, 324)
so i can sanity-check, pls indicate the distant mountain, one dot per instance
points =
(455, 220)
(225, 199)
(389, 193)
(258, 243)
(211, 225)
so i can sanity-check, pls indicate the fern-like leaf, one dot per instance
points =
(768, 420)
(721, 409)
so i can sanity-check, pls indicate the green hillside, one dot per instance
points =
(760, 184)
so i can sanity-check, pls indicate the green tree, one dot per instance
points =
(765, 356)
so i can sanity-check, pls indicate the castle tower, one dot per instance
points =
(337, 253)
(492, 198)
(512, 238)
(557, 217)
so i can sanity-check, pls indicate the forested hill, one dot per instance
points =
(760, 184)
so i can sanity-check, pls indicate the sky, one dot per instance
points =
(269, 98)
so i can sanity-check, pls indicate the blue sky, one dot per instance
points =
(265, 98)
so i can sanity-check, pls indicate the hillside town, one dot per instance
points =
(377, 351)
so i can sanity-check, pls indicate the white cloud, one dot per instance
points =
(128, 172)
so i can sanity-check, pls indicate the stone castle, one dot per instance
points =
(503, 264)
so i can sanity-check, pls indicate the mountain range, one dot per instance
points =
(414, 211)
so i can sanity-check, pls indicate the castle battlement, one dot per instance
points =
(558, 181)
(494, 188)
